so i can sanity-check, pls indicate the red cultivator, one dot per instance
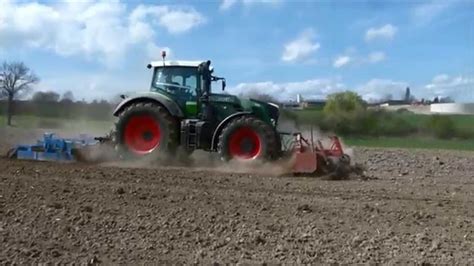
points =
(311, 157)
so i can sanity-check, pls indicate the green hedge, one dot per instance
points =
(381, 123)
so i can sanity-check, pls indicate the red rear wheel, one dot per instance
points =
(145, 129)
(248, 138)
(142, 134)
(245, 143)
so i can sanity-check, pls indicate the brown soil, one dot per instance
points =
(417, 206)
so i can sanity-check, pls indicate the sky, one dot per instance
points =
(99, 49)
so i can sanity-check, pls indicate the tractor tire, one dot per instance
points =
(145, 129)
(248, 138)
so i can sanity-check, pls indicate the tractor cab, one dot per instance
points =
(176, 81)
(179, 81)
(188, 83)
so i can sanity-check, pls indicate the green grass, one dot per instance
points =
(412, 143)
(310, 115)
(461, 121)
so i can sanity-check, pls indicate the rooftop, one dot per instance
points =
(176, 63)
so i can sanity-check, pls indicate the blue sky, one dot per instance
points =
(279, 47)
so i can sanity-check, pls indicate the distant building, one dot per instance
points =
(291, 105)
(299, 99)
(300, 103)
(314, 104)
(394, 102)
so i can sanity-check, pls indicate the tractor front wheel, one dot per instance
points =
(248, 138)
(145, 129)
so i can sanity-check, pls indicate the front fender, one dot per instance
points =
(169, 104)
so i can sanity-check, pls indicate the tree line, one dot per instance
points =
(96, 110)
(347, 114)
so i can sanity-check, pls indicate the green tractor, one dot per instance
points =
(181, 111)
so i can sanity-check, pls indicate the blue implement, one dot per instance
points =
(52, 148)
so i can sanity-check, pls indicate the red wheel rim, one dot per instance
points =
(142, 134)
(245, 144)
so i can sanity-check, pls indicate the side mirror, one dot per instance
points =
(223, 84)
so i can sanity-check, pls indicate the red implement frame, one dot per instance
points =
(310, 156)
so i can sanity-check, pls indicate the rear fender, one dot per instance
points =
(12, 153)
(169, 104)
(222, 124)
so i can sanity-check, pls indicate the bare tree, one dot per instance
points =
(15, 78)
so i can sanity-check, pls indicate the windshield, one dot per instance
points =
(176, 80)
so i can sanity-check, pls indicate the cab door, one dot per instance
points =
(190, 98)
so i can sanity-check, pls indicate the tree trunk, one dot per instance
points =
(10, 110)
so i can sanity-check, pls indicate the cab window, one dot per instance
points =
(176, 80)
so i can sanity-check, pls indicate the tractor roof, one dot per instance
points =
(176, 63)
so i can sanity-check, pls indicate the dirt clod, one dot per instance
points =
(304, 208)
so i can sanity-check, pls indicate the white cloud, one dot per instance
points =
(251, 2)
(175, 20)
(426, 12)
(376, 57)
(310, 89)
(351, 57)
(341, 61)
(376, 89)
(300, 48)
(179, 21)
(440, 78)
(459, 87)
(386, 32)
(105, 31)
(227, 4)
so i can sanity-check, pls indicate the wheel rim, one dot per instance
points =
(245, 144)
(142, 134)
